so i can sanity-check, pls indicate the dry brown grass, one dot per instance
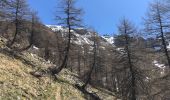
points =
(17, 83)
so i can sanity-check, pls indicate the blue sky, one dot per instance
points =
(102, 15)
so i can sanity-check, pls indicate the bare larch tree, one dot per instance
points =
(17, 11)
(126, 29)
(70, 17)
(158, 22)
(93, 63)
(130, 75)
(34, 23)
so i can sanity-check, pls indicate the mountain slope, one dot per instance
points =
(16, 81)
(81, 36)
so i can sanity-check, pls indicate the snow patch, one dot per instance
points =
(161, 66)
(110, 40)
(147, 79)
(34, 47)
(121, 50)
(82, 39)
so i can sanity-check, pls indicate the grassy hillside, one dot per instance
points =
(16, 82)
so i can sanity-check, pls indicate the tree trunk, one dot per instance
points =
(16, 24)
(133, 91)
(31, 37)
(65, 61)
(93, 66)
(79, 62)
(164, 42)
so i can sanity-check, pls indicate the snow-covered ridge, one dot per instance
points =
(77, 38)
(109, 39)
(82, 39)
(81, 36)
(55, 27)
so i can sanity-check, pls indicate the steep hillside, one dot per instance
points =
(16, 81)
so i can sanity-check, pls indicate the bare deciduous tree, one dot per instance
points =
(126, 29)
(17, 13)
(34, 22)
(94, 62)
(70, 18)
(158, 22)
(132, 77)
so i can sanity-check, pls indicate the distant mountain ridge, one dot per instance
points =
(83, 35)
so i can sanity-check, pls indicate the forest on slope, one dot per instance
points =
(134, 64)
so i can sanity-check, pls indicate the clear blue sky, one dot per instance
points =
(102, 15)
